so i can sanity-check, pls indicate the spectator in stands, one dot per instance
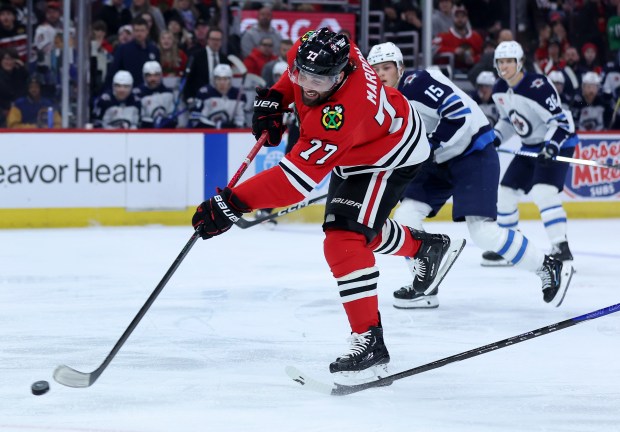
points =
(460, 41)
(392, 22)
(13, 83)
(442, 17)
(219, 106)
(613, 34)
(554, 58)
(267, 73)
(572, 72)
(156, 100)
(115, 15)
(125, 34)
(205, 61)
(557, 79)
(173, 60)
(23, 14)
(201, 33)
(544, 34)
(411, 18)
(253, 35)
(183, 37)
(482, 96)
(100, 56)
(486, 59)
(118, 108)
(559, 33)
(590, 58)
(12, 32)
(33, 111)
(132, 55)
(260, 56)
(153, 29)
(138, 7)
(185, 11)
(45, 34)
(590, 111)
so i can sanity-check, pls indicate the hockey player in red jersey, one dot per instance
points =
(372, 140)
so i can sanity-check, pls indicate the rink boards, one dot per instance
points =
(82, 178)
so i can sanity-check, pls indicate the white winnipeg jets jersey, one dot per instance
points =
(212, 109)
(454, 122)
(532, 109)
(157, 102)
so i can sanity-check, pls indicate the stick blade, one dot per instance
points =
(71, 378)
(308, 382)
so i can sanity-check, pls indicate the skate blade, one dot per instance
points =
(422, 302)
(500, 263)
(567, 274)
(367, 375)
(456, 247)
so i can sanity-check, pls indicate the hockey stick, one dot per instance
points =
(342, 390)
(561, 159)
(70, 377)
(244, 223)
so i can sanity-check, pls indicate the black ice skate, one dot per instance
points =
(407, 298)
(435, 257)
(561, 252)
(365, 361)
(493, 259)
(555, 276)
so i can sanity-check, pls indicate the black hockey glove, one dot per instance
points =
(549, 152)
(216, 215)
(497, 142)
(268, 112)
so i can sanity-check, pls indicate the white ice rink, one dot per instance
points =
(211, 352)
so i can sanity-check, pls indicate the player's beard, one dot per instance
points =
(317, 100)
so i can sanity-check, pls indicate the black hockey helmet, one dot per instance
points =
(323, 52)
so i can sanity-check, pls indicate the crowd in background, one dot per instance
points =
(163, 63)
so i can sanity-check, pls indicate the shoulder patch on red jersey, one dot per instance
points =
(332, 118)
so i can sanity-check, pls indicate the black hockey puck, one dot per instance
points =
(40, 388)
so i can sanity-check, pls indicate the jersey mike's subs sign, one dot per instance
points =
(293, 25)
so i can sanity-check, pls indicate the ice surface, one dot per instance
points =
(211, 352)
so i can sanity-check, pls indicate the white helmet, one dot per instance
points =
(509, 50)
(222, 71)
(486, 78)
(279, 68)
(123, 77)
(151, 67)
(385, 52)
(556, 77)
(591, 78)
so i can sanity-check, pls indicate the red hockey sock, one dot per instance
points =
(395, 239)
(352, 264)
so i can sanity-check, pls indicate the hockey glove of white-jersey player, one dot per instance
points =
(549, 152)
(216, 215)
(268, 113)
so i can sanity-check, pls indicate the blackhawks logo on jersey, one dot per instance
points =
(332, 118)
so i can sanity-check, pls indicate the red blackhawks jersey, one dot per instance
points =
(363, 127)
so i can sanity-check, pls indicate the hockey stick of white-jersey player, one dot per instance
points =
(72, 378)
(342, 390)
(561, 159)
(244, 223)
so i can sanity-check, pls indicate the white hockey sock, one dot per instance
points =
(553, 215)
(509, 243)
(507, 207)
